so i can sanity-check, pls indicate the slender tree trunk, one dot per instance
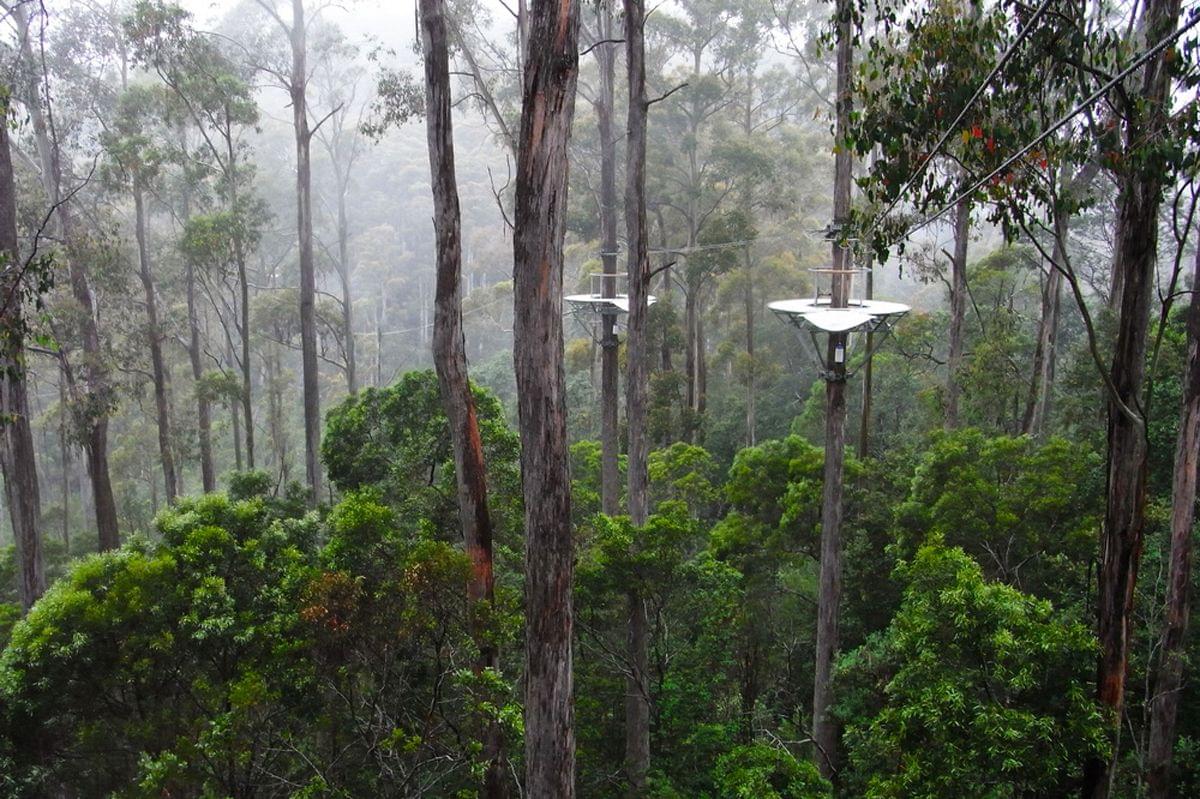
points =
(1037, 408)
(308, 284)
(610, 475)
(347, 301)
(239, 254)
(450, 359)
(17, 459)
(208, 474)
(162, 405)
(864, 424)
(379, 319)
(665, 286)
(751, 365)
(548, 104)
(825, 730)
(637, 683)
(958, 309)
(236, 415)
(96, 375)
(65, 458)
(1168, 686)
(1135, 249)
(690, 363)
(1038, 401)
(701, 373)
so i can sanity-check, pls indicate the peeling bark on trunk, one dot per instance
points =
(1135, 244)
(17, 459)
(162, 405)
(548, 104)
(637, 683)
(1169, 683)
(450, 359)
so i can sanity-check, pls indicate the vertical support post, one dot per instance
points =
(825, 734)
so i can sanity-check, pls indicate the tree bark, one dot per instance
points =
(958, 309)
(65, 460)
(96, 374)
(690, 363)
(162, 405)
(17, 459)
(751, 376)
(610, 475)
(450, 360)
(1037, 403)
(239, 254)
(548, 104)
(637, 683)
(825, 730)
(1135, 248)
(347, 300)
(1164, 707)
(208, 475)
(308, 285)
(864, 424)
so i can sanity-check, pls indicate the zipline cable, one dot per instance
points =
(1003, 62)
(1076, 111)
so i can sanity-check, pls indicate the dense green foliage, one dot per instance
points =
(248, 645)
(973, 689)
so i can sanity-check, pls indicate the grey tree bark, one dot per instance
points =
(208, 475)
(450, 360)
(610, 475)
(825, 730)
(98, 391)
(1139, 197)
(17, 458)
(637, 683)
(539, 225)
(958, 310)
(154, 337)
(1169, 681)
(308, 284)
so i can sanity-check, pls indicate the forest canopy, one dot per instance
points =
(721, 399)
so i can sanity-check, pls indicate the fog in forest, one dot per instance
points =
(331, 470)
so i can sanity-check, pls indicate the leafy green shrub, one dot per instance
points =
(763, 771)
(974, 689)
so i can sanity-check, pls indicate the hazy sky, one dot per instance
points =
(390, 22)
